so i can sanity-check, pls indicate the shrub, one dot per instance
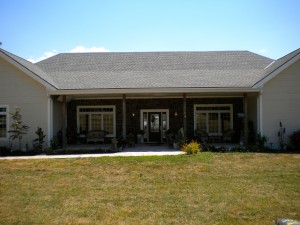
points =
(39, 142)
(208, 148)
(54, 142)
(4, 150)
(261, 140)
(18, 129)
(191, 148)
(295, 139)
(49, 151)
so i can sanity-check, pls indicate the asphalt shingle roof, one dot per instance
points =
(155, 69)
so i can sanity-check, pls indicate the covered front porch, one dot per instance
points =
(146, 118)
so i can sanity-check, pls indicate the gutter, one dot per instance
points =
(151, 91)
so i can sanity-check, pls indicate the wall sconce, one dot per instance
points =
(175, 114)
(241, 115)
(133, 114)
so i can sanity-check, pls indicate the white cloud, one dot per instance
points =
(44, 56)
(77, 49)
(263, 50)
(81, 49)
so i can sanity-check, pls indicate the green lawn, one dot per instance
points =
(204, 189)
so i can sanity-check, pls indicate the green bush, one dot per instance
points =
(295, 140)
(4, 150)
(49, 151)
(191, 148)
(38, 143)
(261, 140)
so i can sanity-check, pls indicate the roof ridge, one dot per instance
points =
(290, 54)
(9, 53)
(142, 52)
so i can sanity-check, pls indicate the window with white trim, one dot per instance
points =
(96, 118)
(213, 119)
(3, 121)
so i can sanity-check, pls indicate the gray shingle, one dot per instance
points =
(155, 69)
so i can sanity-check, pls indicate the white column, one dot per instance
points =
(245, 118)
(184, 115)
(260, 113)
(50, 120)
(124, 116)
(64, 121)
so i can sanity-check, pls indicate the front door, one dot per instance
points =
(154, 128)
(154, 124)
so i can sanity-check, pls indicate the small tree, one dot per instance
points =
(281, 134)
(18, 129)
(39, 142)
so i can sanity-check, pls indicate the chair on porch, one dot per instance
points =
(228, 135)
(96, 136)
(201, 135)
(130, 139)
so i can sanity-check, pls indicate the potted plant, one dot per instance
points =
(170, 137)
(140, 136)
(180, 139)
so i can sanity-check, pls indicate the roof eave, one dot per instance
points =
(153, 90)
(28, 72)
(277, 71)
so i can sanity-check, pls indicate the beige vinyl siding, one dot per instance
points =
(281, 102)
(18, 89)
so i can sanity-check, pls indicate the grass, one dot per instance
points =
(209, 188)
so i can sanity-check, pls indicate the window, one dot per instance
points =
(3, 121)
(96, 118)
(213, 119)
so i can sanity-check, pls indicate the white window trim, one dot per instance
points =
(101, 106)
(7, 121)
(214, 111)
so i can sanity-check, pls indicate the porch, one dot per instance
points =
(147, 118)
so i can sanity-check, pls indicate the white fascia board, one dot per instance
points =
(28, 72)
(153, 90)
(277, 71)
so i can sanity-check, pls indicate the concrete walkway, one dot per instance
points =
(137, 151)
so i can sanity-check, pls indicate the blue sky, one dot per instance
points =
(35, 29)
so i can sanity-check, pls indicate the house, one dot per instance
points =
(152, 91)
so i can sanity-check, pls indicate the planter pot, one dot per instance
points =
(140, 138)
(175, 146)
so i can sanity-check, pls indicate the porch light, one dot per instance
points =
(241, 115)
(175, 114)
(133, 114)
